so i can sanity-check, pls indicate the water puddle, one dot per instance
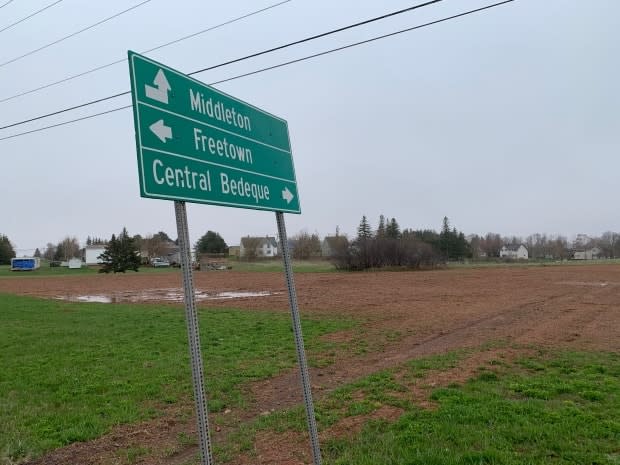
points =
(161, 295)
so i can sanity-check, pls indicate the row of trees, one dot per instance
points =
(388, 246)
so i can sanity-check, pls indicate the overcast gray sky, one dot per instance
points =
(506, 121)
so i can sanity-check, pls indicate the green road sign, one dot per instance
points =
(197, 144)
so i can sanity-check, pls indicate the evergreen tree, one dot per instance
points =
(392, 230)
(37, 253)
(120, 255)
(6, 250)
(381, 228)
(211, 242)
(444, 238)
(363, 230)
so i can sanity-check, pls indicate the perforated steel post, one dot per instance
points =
(193, 334)
(299, 341)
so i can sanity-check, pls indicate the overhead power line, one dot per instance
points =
(420, 26)
(98, 23)
(236, 60)
(30, 15)
(176, 41)
(5, 4)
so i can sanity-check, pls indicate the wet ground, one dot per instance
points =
(159, 295)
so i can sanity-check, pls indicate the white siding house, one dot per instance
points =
(514, 251)
(587, 254)
(263, 246)
(90, 254)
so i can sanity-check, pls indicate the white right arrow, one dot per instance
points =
(162, 131)
(160, 91)
(287, 195)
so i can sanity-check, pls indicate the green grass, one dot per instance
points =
(47, 271)
(555, 408)
(272, 265)
(530, 263)
(562, 409)
(70, 371)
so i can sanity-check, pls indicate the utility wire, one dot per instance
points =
(280, 47)
(5, 4)
(98, 23)
(176, 41)
(355, 44)
(30, 15)
(466, 13)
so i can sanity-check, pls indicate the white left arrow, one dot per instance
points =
(162, 131)
(287, 195)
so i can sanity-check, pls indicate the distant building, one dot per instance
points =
(331, 244)
(262, 246)
(90, 254)
(514, 251)
(587, 254)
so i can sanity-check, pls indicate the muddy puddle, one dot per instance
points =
(161, 295)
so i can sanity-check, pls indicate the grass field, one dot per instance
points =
(47, 271)
(552, 407)
(528, 263)
(71, 371)
(299, 266)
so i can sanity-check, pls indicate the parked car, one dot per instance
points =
(160, 263)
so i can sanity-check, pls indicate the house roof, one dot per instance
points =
(514, 247)
(334, 241)
(260, 241)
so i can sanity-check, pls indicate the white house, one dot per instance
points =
(263, 246)
(514, 251)
(90, 254)
(587, 254)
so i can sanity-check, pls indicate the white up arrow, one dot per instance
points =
(160, 91)
(287, 195)
(162, 131)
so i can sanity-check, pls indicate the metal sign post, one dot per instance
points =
(299, 341)
(193, 334)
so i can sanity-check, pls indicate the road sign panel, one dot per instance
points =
(197, 144)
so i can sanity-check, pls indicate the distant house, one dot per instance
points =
(331, 244)
(90, 254)
(587, 254)
(514, 251)
(166, 249)
(258, 247)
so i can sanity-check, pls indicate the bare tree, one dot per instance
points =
(67, 249)
(306, 245)
(250, 247)
(50, 251)
(609, 243)
(154, 245)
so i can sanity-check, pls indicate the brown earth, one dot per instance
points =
(406, 315)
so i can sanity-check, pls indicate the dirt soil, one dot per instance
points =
(406, 315)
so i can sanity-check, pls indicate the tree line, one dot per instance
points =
(384, 246)
(389, 246)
